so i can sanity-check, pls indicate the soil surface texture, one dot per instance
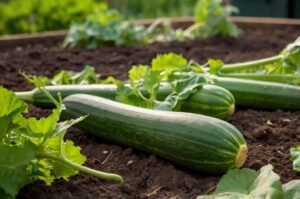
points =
(269, 134)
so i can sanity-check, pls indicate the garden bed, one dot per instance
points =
(269, 134)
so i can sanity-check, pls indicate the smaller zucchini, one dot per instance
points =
(261, 94)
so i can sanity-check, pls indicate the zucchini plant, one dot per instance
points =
(247, 92)
(281, 68)
(109, 28)
(86, 76)
(172, 82)
(152, 87)
(35, 149)
(295, 157)
(211, 18)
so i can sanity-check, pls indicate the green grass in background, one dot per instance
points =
(21, 16)
(153, 8)
(26, 16)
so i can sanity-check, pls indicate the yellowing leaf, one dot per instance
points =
(168, 62)
(138, 72)
(214, 66)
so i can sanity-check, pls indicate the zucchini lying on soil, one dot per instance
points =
(210, 100)
(198, 142)
(258, 94)
(261, 94)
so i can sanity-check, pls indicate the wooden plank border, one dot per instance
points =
(23, 39)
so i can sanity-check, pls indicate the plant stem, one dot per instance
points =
(229, 68)
(78, 167)
(27, 96)
(50, 97)
(191, 29)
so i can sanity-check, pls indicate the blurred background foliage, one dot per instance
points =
(107, 28)
(153, 8)
(26, 16)
(20, 16)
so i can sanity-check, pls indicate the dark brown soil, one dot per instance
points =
(269, 134)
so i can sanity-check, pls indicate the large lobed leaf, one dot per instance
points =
(14, 167)
(11, 107)
(249, 184)
(34, 149)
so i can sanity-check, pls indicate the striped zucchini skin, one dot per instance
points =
(211, 100)
(261, 94)
(198, 142)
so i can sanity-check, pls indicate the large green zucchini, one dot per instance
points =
(210, 100)
(198, 142)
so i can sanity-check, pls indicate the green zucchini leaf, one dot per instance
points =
(110, 28)
(4, 195)
(152, 82)
(214, 66)
(39, 128)
(168, 62)
(213, 17)
(171, 63)
(244, 178)
(295, 157)
(125, 94)
(11, 107)
(35, 149)
(67, 77)
(99, 29)
(50, 168)
(291, 57)
(51, 151)
(188, 85)
(292, 189)
(14, 163)
(246, 183)
(164, 69)
(168, 104)
(183, 88)
(136, 73)
(142, 78)
(86, 76)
